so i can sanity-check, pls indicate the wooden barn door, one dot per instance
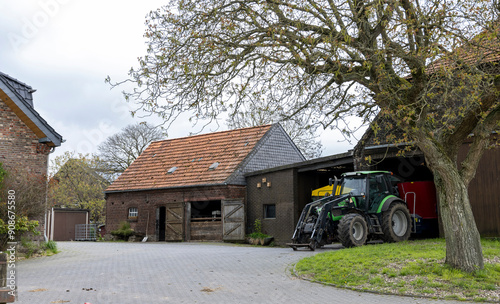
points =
(174, 222)
(233, 220)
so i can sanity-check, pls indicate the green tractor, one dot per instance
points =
(364, 205)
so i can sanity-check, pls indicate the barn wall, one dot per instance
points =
(483, 192)
(282, 192)
(147, 202)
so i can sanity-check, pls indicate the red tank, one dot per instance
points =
(420, 197)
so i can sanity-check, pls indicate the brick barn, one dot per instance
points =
(194, 188)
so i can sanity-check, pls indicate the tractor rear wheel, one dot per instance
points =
(352, 230)
(396, 223)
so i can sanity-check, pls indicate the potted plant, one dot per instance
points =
(258, 237)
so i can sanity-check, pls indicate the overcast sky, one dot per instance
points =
(65, 49)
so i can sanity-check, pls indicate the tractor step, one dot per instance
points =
(375, 224)
(297, 246)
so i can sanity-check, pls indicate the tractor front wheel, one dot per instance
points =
(352, 230)
(396, 223)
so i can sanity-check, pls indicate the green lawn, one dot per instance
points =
(409, 268)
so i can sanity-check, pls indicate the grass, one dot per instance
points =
(413, 268)
(30, 248)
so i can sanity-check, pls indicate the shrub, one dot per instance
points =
(123, 232)
(51, 246)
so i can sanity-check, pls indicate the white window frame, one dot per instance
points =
(133, 212)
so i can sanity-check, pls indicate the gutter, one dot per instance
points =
(174, 187)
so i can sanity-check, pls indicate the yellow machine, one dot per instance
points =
(325, 191)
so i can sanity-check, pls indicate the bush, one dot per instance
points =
(123, 232)
(51, 246)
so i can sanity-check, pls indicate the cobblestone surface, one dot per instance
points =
(103, 273)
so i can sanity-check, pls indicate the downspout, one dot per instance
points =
(46, 239)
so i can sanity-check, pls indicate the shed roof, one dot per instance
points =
(207, 159)
(18, 96)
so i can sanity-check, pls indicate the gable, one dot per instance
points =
(18, 97)
(275, 149)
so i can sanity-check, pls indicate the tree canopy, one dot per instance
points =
(77, 183)
(430, 67)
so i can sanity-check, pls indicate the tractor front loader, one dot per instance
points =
(363, 205)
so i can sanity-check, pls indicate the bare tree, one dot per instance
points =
(425, 65)
(118, 151)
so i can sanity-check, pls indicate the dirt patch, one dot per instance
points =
(38, 290)
(209, 289)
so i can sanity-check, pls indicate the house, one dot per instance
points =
(26, 139)
(194, 188)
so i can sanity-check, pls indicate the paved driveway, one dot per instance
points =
(121, 273)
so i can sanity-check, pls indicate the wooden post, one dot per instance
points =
(5, 296)
(3, 269)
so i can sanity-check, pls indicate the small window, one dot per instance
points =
(270, 211)
(171, 170)
(132, 213)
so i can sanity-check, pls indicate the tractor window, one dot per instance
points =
(354, 185)
(378, 190)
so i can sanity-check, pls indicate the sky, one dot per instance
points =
(66, 48)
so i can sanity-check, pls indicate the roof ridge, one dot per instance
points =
(15, 80)
(212, 134)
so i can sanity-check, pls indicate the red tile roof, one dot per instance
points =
(484, 48)
(192, 156)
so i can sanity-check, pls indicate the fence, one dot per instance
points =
(85, 232)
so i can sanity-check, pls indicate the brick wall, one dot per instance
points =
(20, 152)
(281, 193)
(147, 202)
(19, 147)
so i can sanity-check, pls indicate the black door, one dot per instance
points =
(160, 223)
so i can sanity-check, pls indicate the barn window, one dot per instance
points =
(132, 213)
(206, 211)
(270, 211)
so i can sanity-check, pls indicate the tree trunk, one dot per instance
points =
(463, 242)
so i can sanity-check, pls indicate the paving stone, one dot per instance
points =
(122, 273)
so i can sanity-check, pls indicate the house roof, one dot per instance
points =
(19, 97)
(208, 159)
